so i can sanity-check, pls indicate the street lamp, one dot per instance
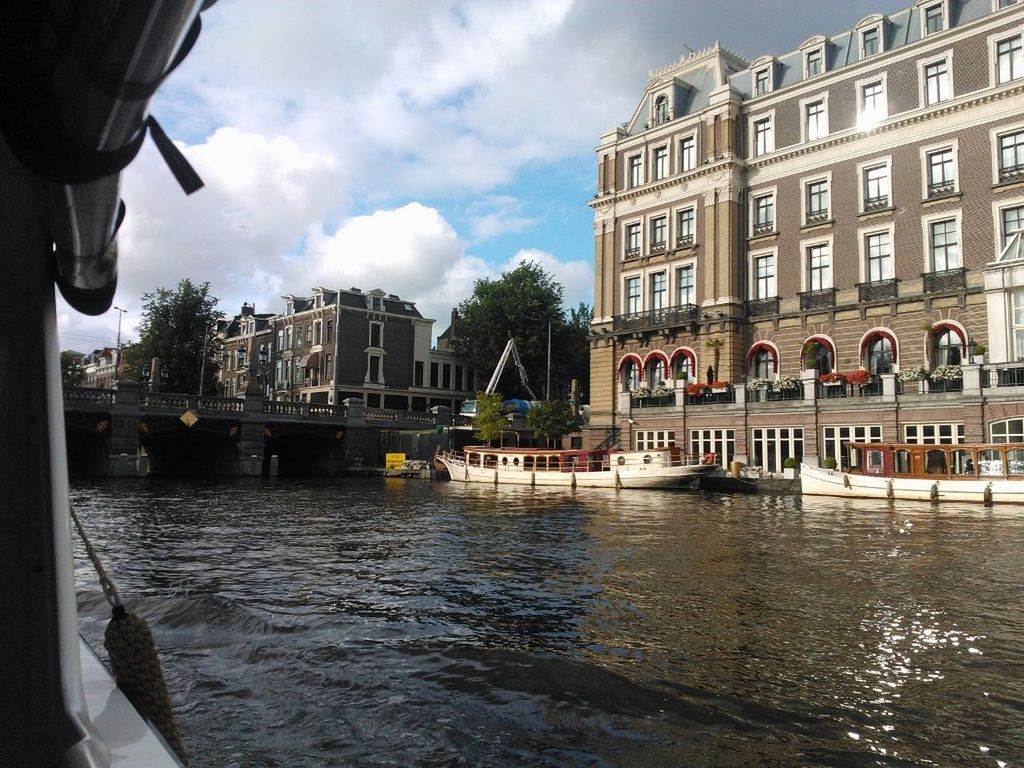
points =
(120, 314)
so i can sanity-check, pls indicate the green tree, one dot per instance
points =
(490, 419)
(179, 327)
(71, 372)
(553, 419)
(523, 304)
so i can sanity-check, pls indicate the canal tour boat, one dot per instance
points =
(655, 468)
(985, 472)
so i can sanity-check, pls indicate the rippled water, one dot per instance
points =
(404, 623)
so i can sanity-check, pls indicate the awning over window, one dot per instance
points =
(312, 360)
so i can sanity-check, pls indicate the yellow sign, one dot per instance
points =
(189, 418)
(394, 460)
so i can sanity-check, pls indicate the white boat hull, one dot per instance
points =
(632, 476)
(815, 481)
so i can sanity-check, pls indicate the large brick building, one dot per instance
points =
(850, 210)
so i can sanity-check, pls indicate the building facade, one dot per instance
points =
(818, 246)
(339, 344)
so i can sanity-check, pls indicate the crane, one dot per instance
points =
(469, 406)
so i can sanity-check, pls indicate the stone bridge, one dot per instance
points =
(129, 431)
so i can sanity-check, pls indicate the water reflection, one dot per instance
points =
(383, 623)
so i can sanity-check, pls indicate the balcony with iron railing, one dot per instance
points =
(879, 203)
(817, 217)
(763, 307)
(684, 241)
(941, 189)
(632, 253)
(655, 318)
(946, 281)
(877, 290)
(1011, 172)
(764, 228)
(658, 247)
(820, 299)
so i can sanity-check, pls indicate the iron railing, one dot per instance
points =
(878, 290)
(822, 299)
(946, 280)
(655, 318)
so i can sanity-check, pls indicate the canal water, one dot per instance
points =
(405, 623)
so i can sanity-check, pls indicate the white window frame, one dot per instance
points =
(862, 235)
(926, 237)
(639, 277)
(752, 216)
(995, 134)
(833, 437)
(753, 120)
(683, 168)
(922, 67)
(677, 267)
(660, 170)
(955, 434)
(925, 6)
(692, 208)
(653, 439)
(877, 27)
(651, 244)
(788, 442)
(867, 120)
(665, 295)
(632, 183)
(861, 189)
(993, 55)
(805, 183)
(998, 5)
(721, 442)
(380, 330)
(628, 251)
(805, 265)
(806, 53)
(767, 69)
(953, 145)
(998, 206)
(755, 256)
(805, 104)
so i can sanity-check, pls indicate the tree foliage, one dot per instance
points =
(521, 305)
(179, 327)
(490, 419)
(71, 372)
(553, 419)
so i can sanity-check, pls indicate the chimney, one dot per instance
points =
(248, 309)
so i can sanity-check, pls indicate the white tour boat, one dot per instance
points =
(986, 472)
(655, 468)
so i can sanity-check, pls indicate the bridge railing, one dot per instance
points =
(198, 402)
(404, 418)
(89, 395)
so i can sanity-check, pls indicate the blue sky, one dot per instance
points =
(410, 145)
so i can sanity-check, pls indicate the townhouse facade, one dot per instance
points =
(818, 246)
(337, 344)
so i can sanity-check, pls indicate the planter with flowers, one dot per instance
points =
(832, 379)
(696, 390)
(758, 388)
(912, 379)
(860, 377)
(946, 378)
(719, 386)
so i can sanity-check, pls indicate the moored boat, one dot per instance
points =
(656, 468)
(981, 472)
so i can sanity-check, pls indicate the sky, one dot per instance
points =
(415, 146)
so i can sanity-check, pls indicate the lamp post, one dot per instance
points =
(117, 369)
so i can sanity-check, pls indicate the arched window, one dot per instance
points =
(629, 374)
(879, 354)
(947, 346)
(661, 110)
(819, 354)
(683, 367)
(762, 363)
(655, 371)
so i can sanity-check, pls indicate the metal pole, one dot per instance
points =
(117, 369)
(202, 364)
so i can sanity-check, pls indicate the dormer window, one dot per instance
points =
(762, 81)
(869, 42)
(814, 51)
(813, 63)
(661, 110)
(934, 19)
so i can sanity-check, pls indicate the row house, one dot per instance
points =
(99, 368)
(339, 344)
(818, 246)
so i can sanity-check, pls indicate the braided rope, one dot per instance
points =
(133, 657)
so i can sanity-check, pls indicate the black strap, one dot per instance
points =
(183, 171)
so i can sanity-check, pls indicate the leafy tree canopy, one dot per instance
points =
(521, 305)
(553, 419)
(490, 419)
(71, 372)
(179, 327)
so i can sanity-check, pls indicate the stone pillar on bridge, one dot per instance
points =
(251, 440)
(124, 460)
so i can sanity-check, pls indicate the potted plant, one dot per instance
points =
(787, 383)
(833, 379)
(858, 377)
(913, 373)
(829, 462)
(946, 373)
(978, 353)
(696, 390)
(789, 468)
(809, 354)
(719, 386)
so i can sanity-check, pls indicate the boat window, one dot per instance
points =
(963, 462)
(935, 463)
(901, 462)
(990, 462)
(504, 461)
(528, 462)
(647, 459)
(622, 460)
(515, 461)
(875, 462)
(1015, 461)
